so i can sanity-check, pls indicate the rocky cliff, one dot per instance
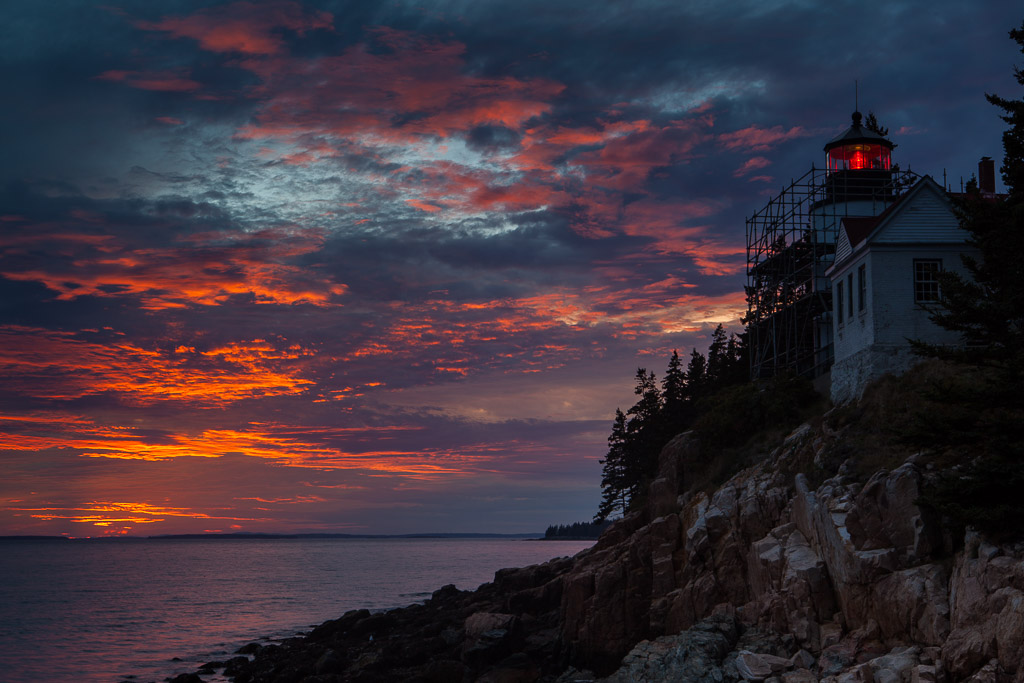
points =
(767, 578)
(844, 581)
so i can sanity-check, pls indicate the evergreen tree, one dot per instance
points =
(696, 376)
(1013, 137)
(615, 487)
(673, 395)
(718, 358)
(987, 309)
(644, 432)
(739, 361)
(871, 123)
(633, 448)
(639, 434)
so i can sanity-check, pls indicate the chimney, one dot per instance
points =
(987, 175)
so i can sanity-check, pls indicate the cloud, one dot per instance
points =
(249, 28)
(287, 267)
(164, 81)
(750, 165)
(199, 269)
(33, 360)
(757, 139)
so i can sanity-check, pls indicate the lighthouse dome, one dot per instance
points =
(859, 148)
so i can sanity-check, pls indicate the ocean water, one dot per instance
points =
(145, 610)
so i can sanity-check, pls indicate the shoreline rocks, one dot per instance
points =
(764, 579)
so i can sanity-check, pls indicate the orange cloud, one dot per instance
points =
(36, 362)
(116, 517)
(287, 446)
(207, 270)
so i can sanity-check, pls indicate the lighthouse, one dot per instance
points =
(791, 242)
(858, 149)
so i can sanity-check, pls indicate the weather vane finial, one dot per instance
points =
(856, 96)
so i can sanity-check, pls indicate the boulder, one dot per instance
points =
(753, 666)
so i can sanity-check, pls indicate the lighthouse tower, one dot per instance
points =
(858, 179)
(859, 165)
(791, 242)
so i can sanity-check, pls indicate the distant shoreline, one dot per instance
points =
(191, 537)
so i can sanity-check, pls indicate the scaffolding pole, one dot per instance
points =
(791, 242)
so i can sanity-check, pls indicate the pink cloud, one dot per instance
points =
(761, 139)
(625, 161)
(422, 206)
(750, 165)
(245, 27)
(360, 94)
(670, 223)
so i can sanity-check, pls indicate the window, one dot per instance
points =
(862, 287)
(839, 302)
(849, 296)
(926, 280)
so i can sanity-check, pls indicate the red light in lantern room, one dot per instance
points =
(859, 149)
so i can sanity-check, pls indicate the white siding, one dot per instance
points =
(924, 217)
(875, 341)
(857, 330)
(843, 246)
(897, 317)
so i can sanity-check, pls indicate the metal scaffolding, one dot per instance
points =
(791, 242)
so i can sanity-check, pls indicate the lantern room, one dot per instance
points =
(859, 149)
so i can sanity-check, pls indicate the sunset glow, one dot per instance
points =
(297, 265)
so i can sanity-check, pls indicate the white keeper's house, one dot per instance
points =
(842, 266)
(884, 279)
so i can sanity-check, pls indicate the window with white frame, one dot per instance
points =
(926, 280)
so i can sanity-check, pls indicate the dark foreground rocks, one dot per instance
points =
(768, 578)
(507, 631)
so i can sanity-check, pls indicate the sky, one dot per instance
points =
(390, 267)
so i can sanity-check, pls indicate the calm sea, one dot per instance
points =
(113, 611)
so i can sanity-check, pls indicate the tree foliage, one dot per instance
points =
(987, 306)
(639, 434)
(576, 530)
(615, 484)
(871, 123)
(987, 309)
(1013, 136)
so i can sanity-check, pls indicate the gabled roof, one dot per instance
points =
(856, 231)
(859, 227)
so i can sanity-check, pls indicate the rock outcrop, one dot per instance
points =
(768, 578)
(857, 577)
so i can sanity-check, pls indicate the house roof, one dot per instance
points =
(859, 230)
(859, 227)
